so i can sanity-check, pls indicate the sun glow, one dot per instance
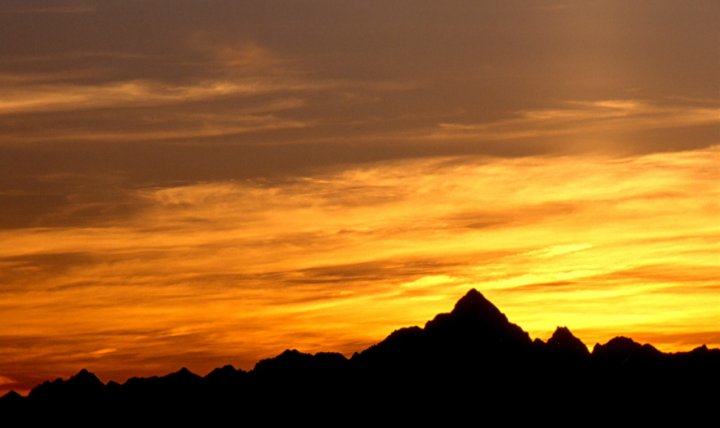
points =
(232, 271)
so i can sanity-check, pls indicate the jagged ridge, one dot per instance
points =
(473, 348)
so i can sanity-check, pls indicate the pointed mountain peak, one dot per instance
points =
(183, 373)
(84, 373)
(474, 320)
(700, 350)
(563, 340)
(562, 333)
(182, 376)
(474, 304)
(85, 377)
(11, 396)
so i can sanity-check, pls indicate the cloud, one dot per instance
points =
(238, 57)
(23, 270)
(566, 79)
(583, 120)
(135, 93)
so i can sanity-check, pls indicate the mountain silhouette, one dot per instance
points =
(469, 363)
(562, 341)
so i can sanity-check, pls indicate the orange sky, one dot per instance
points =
(201, 184)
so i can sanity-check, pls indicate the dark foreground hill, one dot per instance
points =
(469, 364)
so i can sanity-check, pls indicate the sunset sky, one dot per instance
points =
(207, 182)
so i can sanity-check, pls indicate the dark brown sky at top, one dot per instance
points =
(134, 89)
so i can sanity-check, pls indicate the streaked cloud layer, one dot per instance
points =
(211, 272)
(195, 183)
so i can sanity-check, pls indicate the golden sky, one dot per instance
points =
(196, 183)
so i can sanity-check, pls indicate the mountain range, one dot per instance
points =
(469, 363)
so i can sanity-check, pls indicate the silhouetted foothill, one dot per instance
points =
(292, 366)
(472, 356)
(564, 341)
(624, 351)
(84, 381)
(82, 386)
(12, 398)
(227, 372)
(182, 376)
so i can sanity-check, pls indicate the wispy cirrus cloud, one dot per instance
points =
(584, 120)
(48, 98)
